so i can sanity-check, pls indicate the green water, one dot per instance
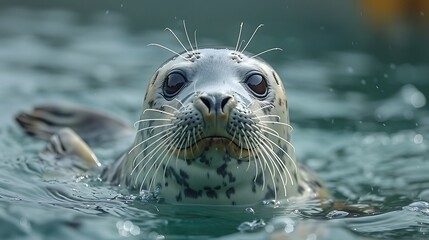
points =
(358, 104)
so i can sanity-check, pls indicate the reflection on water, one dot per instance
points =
(360, 122)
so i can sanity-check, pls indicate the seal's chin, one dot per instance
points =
(214, 143)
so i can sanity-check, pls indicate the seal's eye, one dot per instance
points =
(258, 84)
(173, 83)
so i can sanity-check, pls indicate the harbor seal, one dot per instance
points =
(214, 130)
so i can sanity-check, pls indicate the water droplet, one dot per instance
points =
(251, 226)
(350, 70)
(122, 5)
(250, 210)
(363, 82)
(281, 224)
(386, 75)
(392, 66)
(107, 12)
(422, 14)
(418, 139)
(336, 214)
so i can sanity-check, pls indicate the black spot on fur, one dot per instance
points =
(231, 178)
(191, 193)
(229, 192)
(150, 103)
(217, 187)
(259, 179)
(226, 157)
(154, 77)
(300, 189)
(179, 179)
(166, 184)
(222, 170)
(145, 95)
(210, 192)
(275, 78)
(203, 159)
(183, 174)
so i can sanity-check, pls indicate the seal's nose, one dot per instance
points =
(216, 103)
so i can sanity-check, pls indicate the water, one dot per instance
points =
(360, 121)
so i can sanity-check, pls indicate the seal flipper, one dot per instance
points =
(92, 126)
(66, 143)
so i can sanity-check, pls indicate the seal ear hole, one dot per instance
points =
(173, 83)
(257, 84)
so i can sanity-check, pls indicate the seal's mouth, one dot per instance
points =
(214, 143)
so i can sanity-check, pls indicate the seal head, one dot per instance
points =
(214, 130)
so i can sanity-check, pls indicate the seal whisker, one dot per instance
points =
(181, 104)
(280, 123)
(263, 52)
(268, 116)
(272, 161)
(187, 36)
(195, 39)
(168, 49)
(278, 136)
(156, 149)
(147, 139)
(155, 127)
(261, 159)
(174, 143)
(171, 107)
(177, 38)
(241, 43)
(239, 37)
(162, 138)
(157, 110)
(281, 149)
(278, 158)
(250, 39)
(153, 179)
(264, 107)
(153, 119)
(268, 129)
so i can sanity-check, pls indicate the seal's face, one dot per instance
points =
(217, 118)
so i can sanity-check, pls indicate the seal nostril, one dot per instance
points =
(206, 102)
(224, 102)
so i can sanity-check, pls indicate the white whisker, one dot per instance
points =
(154, 127)
(195, 40)
(168, 49)
(268, 50)
(280, 123)
(260, 25)
(187, 36)
(147, 139)
(268, 116)
(177, 38)
(158, 111)
(152, 119)
(239, 37)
